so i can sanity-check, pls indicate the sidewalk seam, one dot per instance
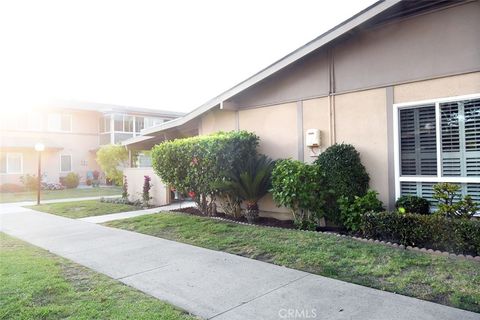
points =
(136, 274)
(260, 296)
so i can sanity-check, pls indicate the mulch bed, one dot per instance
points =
(262, 221)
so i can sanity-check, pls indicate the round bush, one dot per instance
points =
(71, 180)
(413, 204)
(344, 174)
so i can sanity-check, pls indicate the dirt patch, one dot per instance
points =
(262, 221)
(79, 277)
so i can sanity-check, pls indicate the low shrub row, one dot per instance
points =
(430, 231)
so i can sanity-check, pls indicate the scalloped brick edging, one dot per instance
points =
(387, 243)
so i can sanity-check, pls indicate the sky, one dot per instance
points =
(172, 55)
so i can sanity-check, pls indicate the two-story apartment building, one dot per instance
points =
(71, 133)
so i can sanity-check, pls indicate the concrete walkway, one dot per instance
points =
(211, 284)
(137, 213)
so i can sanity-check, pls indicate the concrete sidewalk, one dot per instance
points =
(211, 284)
(137, 213)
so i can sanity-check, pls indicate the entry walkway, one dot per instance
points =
(212, 284)
(137, 213)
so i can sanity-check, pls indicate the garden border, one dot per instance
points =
(369, 240)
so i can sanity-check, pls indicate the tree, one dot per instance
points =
(112, 159)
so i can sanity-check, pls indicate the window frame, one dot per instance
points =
(396, 139)
(71, 163)
(7, 155)
(59, 129)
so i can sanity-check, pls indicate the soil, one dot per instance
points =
(263, 221)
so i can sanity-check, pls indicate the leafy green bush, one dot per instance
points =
(430, 231)
(198, 165)
(112, 158)
(345, 176)
(450, 202)
(299, 187)
(413, 204)
(351, 212)
(71, 180)
(29, 182)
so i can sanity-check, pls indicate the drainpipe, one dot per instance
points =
(331, 95)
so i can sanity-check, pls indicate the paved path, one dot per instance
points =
(137, 213)
(211, 284)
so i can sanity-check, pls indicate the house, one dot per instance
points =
(72, 132)
(400, 81)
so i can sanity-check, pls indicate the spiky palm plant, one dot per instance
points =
(250, 182)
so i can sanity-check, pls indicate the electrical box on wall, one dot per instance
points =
(313, 139)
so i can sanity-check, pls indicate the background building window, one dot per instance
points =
(65, 163)
(127, 123)
(11, 163)
(139, 124)
(118, 122)
(104, 124)
(59, 122)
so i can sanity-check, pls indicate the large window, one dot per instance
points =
(153, 121)
(128, 123)
(11, 163)
(65, 163)
(59, 122)
(438, 141)
(139, 123)
(118, 122)
(104, 125)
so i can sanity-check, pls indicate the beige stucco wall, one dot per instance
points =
(316, 115)
(218, 120)
(438, 88)
(361, 120)
(276, 126)
(135, 177)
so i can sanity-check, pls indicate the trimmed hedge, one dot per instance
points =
(345, 176)
(413, 204)
(436, 232)
(198, 165)
(300, 187)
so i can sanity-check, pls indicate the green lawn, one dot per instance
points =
(444, 280)
(35, 284)
(81, 209)
(59, 194)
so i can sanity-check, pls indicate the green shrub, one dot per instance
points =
(250, 182)
(299, 187)
(429, 231)
(29, 182)
(198, 165)
(450, 202)
(351, 212)
(345, 176)
(71, 180)
(413, 204)
(112, 159)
